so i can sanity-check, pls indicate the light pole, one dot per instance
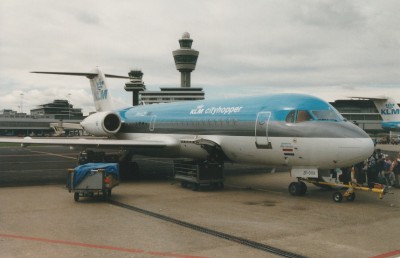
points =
(22, 102)
(69, 106)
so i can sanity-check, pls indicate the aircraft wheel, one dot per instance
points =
(76, 196)
(351, 197)
(215, 186)
(195, 186)
(303, 188)
(337, 196)
(295, 188)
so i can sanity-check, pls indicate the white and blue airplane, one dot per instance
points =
(300, 131)
(389, 110)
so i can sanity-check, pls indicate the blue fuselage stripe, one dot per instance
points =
(237, 117)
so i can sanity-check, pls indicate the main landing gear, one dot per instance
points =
(297, 188)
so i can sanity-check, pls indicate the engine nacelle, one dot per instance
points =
(102, 123)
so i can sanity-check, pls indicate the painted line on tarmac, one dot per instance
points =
(113, 248)
(389, 254)
(53, 154)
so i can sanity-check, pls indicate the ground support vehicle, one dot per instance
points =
(300, 188)
(194, 174)
(93, 179)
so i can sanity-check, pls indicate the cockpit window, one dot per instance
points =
(302, 116)
(327, 115)
(291, 116)
(298, 116)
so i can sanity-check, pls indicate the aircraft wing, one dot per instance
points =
(95, 142)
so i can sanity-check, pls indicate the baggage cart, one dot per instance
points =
(93, 179)
(194, 174)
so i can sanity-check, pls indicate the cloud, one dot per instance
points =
(262, 47)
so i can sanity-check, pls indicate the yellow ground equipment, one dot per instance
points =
(300, 188)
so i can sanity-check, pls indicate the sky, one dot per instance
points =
(329, 48)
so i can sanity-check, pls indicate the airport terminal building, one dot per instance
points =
(361, 112)
(38, 122)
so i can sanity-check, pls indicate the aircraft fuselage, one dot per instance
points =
(282, 129)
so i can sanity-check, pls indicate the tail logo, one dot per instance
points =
(390, 110)
(99, 85)
(389, 105)
(101, 95)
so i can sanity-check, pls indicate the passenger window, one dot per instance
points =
(290, 117)
(302, 116)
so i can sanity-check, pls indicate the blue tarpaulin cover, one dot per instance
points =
(82, 171)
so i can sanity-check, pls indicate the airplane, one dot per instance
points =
(389, 110)
(299, 131)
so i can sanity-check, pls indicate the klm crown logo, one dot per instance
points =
(389, 105)
(390, 110)
(101, 94)
(99, 85)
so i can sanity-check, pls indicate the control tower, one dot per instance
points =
(135, 85)
(185, 59)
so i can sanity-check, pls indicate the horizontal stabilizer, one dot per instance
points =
(368, 98)
(88, 75)
(117, 76)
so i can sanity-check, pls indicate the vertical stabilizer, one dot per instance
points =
(101, 95)
(388, 109)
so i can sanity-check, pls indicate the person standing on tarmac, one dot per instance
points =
(385, 172)
(395, 171)
(373, 168)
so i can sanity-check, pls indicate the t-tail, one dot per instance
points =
(98, 84)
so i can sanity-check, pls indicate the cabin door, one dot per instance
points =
(261, 130)
(152, 123)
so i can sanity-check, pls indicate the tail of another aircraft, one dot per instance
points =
(98, 83)
(388, 109)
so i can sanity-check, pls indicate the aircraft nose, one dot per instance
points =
(357, 148)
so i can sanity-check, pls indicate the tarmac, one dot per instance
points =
(39, 217)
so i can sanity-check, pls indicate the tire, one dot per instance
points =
(351, 197)
(337, 196)
(303, 188)
(294, 188)
(76, 196)
(195, 186)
